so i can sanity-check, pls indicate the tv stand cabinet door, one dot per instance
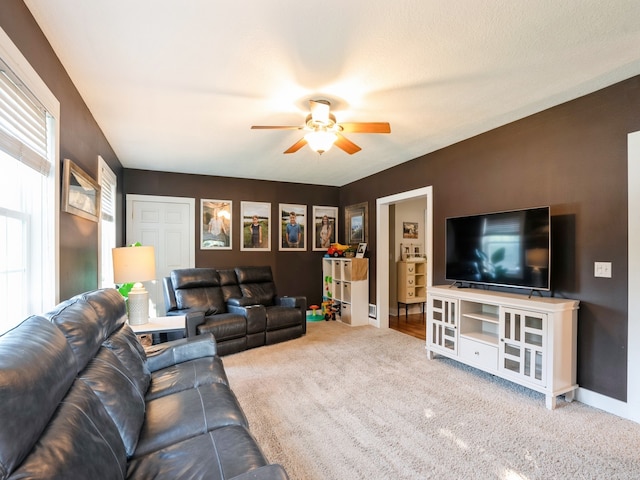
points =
(442, 325)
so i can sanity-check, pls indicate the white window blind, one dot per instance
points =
(23, 123)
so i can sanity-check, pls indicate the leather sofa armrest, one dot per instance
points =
(256, 316)
(240, 302)
(192, 320)
(294, 302)
(171, 353)
(266, 472)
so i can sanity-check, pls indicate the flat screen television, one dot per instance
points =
(511, 249)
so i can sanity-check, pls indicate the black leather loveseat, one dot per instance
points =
(239, 306)
(81, 399)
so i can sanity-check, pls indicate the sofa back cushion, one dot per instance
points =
(108, 379)
(125, 345)
(198, 289)
(37, 369)
(229, 284)
(81, 441)
(87, 320)
(256, 283)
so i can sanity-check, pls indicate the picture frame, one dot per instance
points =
(362, 248)
(292, 231)
(356, 223)
(324, 234)
(80, 192)
(216, 221)
(255, 240)
(410, 230)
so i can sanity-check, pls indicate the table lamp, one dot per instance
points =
(135, 264)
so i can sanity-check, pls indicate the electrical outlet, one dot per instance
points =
(602, 269)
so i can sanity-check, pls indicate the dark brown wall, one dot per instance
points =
(296, 273)
(573, 158)
(81, 140)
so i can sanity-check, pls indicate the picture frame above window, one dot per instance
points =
(255, 226)
(293, 227)
(325, 227)
(80, 192)
(216, 224)
(356, 223)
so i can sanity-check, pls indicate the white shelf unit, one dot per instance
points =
(412, 282)
(346, 282)
(528, 340)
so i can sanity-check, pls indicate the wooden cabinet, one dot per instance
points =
(530, 341)
(412, 283)
(346, 284)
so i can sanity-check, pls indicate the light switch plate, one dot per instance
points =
(602, 269)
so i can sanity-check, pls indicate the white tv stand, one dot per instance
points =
(527, 340)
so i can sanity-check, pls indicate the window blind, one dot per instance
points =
(23, 123)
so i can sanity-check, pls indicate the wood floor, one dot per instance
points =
(413, 324)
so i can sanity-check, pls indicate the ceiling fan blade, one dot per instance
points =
(296, 146)
(366, 127)
(346, 145)
(275, 127)
(319, 111)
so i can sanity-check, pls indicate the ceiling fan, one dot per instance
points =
(323, 131)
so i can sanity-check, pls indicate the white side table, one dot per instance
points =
(161, 325)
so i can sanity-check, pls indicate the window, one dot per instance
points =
(28, 189)
(107, 235)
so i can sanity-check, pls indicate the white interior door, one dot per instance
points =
(167, 224)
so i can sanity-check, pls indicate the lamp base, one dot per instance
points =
(138, 305)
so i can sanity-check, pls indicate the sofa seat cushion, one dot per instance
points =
(224, 327)
(182, 415)
(282, 317)
(219, 454)
(186, 375)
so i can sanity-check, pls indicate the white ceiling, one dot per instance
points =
(175, 85)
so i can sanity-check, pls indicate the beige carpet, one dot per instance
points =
(364, 403)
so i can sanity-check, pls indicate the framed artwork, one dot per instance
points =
(356, 223)
(409, 229)
(80, 192)
(362, 247)
(325, 227)
(293, 232)
(215, 227)
(256, 226)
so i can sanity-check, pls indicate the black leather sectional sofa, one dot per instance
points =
(239, 306)
(81, 399)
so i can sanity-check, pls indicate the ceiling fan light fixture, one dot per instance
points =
(320, 140)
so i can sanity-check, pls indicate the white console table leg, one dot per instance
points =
(569, 396)
(550, 401)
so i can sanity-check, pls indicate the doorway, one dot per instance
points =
(167, 224)
(383, 253)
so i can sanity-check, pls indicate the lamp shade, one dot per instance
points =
(134, 264)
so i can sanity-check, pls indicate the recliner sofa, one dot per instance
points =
(239, 306)
(81, 399)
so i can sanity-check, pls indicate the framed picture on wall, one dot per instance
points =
(256, 226)
(80, 192)
(356, 223)
(409, 229)
(293, 232)
(215, 226)
(325, 227)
